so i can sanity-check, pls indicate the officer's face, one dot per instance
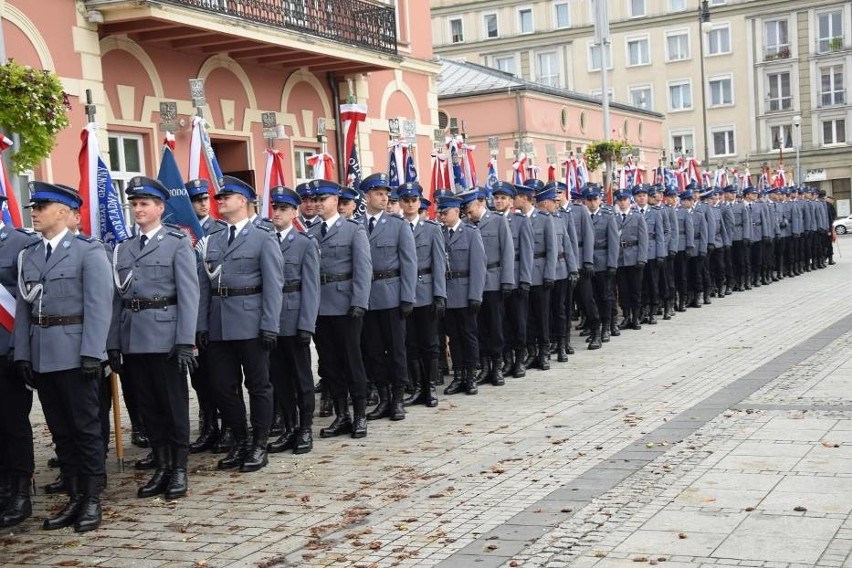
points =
(641, 199)
(346, 207)
(686, 203)
(49, 219)
(623, 203)
(308, 207)
(671, 200)
(146, 210)
(593, 203)
(410, 206)
(326, 206)
(393, 207)
(201, 205)
(502, 202)
(73, 222)
(377, 199)
(449, 216)
(282, 215)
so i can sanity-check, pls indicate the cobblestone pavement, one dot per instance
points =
(720, 437)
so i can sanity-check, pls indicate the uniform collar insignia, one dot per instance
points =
(245, 231)
(65, 244)
(3, 235)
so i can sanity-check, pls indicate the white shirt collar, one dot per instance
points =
(285, 232)
(203, 219)
(54, 242)
(530, 212)
(332, 220)
(377, 216)
(240, 225)
(150, 234)
(455, 227)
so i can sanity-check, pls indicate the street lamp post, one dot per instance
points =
(797, 123)
(703, 24)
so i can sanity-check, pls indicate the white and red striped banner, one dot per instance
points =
(203, 163)
(272, 177)
(323, 165)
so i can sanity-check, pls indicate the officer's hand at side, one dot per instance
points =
(672, 254)
(767, 239)
(506, 290)
(588, 270)
(439, 306)
(185, 359)
(114, 358)
(355, 312)
(268, 340)
(690, 250)
(303, 337)
(91, 368)
(474, 306)
(573, 277)
(405, 309)
(610, 271)
(25, 372)
(701, 254)
(202, 339)
(524, 287)
(711, 247)
(548, 284)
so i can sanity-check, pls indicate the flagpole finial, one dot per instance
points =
(196, 92)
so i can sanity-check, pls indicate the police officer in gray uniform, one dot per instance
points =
(430, 298)
(632, 258)
(698, 256)
(685, 250)
(796, 214)
(784, 210)
(61, 329)
(656, 254)
(239, 319)
(466, 271)
(290, 361)
(154, 319)
(586, 259)
(761, 231)
(606, 247)
(346, 271)
(394, 260)
(16, 400)
(499, 282)
(673, 240)
(726, 208)
(198, 191)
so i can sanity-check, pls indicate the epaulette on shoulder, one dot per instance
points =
(221, 223)
(263, 228)
(432, 222)
(85, 238)
(518, 214)
(606, 211)
(33, 243)
(28, 232)
(177, 230)
(355, 221)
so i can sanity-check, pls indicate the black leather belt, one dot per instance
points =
(227, 292)
(540, 255)
(681, 231)
(326, 278)
(758, 224)
(422, 271)
(580, 244)
(628, 244)
(491, 265)
(738, 224)
(560, 256)
(457, 274)
(386, 274)
(294, 286)
(137, 304)
(49, 321)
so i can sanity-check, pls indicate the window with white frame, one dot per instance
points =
(775, 39)
(677, 5)
(717, 2)
(680, 95)
(456, 30)
(833, 131)
(126, 161)
(595, 57)
(723, 141)
(303, 170)
(563, 15)
(637, 8)
(721, 91)
(683, 141)
(677, 46)
(596, 93)
(830, 31)
(547, 69)
(831, 87)
(525, 21)
(719, 41)
(641, 97)
(489, 25)
(506, 63)
(779, 94)
(638, 51)
(781, 136)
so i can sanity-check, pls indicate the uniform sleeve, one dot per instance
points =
(362, 268)
(272, 275)
(689, 230)
(23, 321)
(588, 233)
(674, 235)
(705, 236)
(188, 292)
(439, 263)
(613, 242)
(748, 229)
(407, 264)
(571, 250)
(551, 249)
(114, 335)
(726, 237)
(204, 293)
(526, 245)
(97, 302)
(310, 295)
(477, 269)
(507, 252)
(643, 240)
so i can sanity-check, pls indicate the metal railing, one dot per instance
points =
(361, 23)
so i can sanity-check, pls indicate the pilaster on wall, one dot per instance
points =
(87, 45)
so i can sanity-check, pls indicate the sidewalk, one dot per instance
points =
(721, 437)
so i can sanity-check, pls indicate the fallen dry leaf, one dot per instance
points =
(375, 545)
(682, 536)
(800, 509)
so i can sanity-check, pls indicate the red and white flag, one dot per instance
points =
(323, 165)
(203, 163)
(101, 214)
(273, 177)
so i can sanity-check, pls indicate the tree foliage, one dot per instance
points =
(598, 153)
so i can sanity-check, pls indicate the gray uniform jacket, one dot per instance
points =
(785, 218)
(164, 268)
(431, 262)
(585, 232)
(772, 212)
(55, 288)
(300, 304)
(673, 236)
(719, 236)
(822, 222)
(253, 260)
(699, 232)
(685, 231)
(208, 224)
(544, 247)
(12, 241)
(606, 241)
(343, 251)
(392, 251)
(522, 241)
(796, 214)
(727, 223)
(466, 261)
(633, 239)
(759, 220)
(571, 249)
(499, 250)
(656, 233)
(742, 228)
(808, 215)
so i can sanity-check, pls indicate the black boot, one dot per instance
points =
(508, 361)
(667, 312)
(541, 361)
(359, 423)
(625, 319)
(372, 393)
(429, 380)
(342, 423)
(256, 458)
(326, 407)
(57, 486)
(278, 426)
(304, 441)
(652, 315)
(138, 436)
(519, 369)
(457, 384)
(693, 300)
(178, 481)
(19, 508)
(613, 329)
(208, 433)
(569, 349)
(595, 342)
(147, 462)
(286, 441)
(238, 452)
(605, 331)
(707, 299)
(469, 381)
(647, 312)
(68, 514)
(415, 376)
(225, 442)
(383, 408)
(160, 480)
(497, 372)
(484, 373)
(634, 319)
(397, 409)
(529, 361)
(89, 518)
(681, 303)
(5, 489)
(561, 355)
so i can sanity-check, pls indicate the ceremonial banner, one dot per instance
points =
(11, 212)
(350, 116)
(202, 161)
(323, 165)
(273, 176)
(410, 167)
(179, 209)
(101, 214)
(519, 165)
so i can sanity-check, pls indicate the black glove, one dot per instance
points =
(474, 306)
(711, 247)
(10, 356)
(202, 339)
(185, 359)
(611, 271)
(524, 287)
(767, 239)
(25, 372)
(355, 312)
(268, 340)
(439, 306)
(405, 309)
(726, 247)
(690, 250)
(672, 253)
(588, 270)
(114, 358)
(303, 337)
(747, 242)
(640, 264)
(91, 368)
(573, 278)
(701, 254)
(548, 284)
(506, 290)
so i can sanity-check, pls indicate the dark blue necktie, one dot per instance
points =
(48, 253)
(372, 224)
(143, 241)
(324, 229)
(232, 235)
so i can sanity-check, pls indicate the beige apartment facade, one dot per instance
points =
(777, 73)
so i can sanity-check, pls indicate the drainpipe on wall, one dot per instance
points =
(338, 134)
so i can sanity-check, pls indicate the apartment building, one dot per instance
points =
(774, 75)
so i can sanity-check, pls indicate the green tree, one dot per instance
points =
(605, 152)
